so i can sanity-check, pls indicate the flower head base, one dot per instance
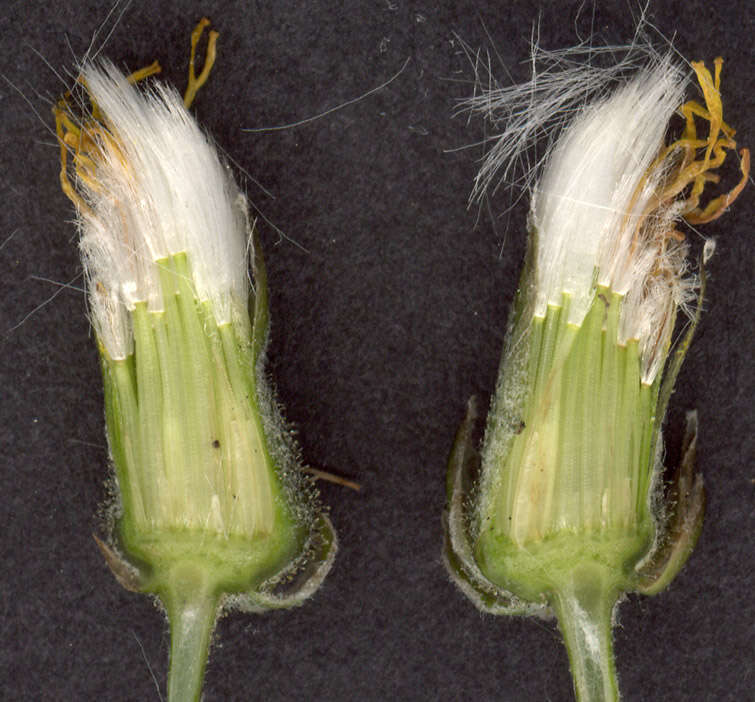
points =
(565, 513)
(212, 502)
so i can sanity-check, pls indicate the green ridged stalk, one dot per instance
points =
(584, 608)
(191, 603)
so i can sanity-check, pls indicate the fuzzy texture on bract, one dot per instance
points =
(159, 189)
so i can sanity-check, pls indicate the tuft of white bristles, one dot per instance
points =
(596, 188)
(159, 189)
(595, 210)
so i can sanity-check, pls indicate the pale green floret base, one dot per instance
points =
(581, 454)
(204, 512)
(563, 513)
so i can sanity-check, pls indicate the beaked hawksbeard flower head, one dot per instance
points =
(213, 508)
(564, 513)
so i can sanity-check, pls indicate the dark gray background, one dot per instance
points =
(388, 312)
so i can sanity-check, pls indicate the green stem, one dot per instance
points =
(192, 605)
(584, 607)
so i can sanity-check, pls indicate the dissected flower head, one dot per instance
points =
(565, 514)
(212, 504)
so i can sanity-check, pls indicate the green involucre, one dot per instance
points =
(213, 509)
(556, 513)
